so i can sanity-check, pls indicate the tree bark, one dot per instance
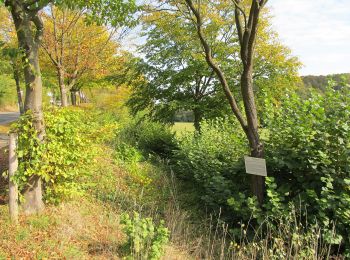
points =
(62, 86)
(197, 119)
(255, 144)
(247, 32)
(29, 28)
(73, 95)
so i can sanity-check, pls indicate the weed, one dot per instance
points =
(145, 239)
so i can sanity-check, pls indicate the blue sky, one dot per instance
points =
(317, 31)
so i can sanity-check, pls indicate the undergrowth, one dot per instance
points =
(163, 214)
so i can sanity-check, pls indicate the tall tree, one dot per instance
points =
(246, 23)
(76, 49)
(29, 28)
(169, 88)
(177, 74)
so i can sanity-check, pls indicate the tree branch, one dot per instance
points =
(215, 67)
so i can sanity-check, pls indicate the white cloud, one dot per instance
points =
(318, 32)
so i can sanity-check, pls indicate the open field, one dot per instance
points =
(183, 127)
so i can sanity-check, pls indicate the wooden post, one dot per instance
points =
(13, 188)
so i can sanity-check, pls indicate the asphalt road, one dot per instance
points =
(5, 118)
(8, 117)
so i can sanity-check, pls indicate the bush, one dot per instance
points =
(127, 154)
(307, 146)
(308, 153)
(213, 160)
(145, 240)
(281, 237)
(62, 160)
(150, 137)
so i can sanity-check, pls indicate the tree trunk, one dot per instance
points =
(18, 89)
(256, 146)
(63, 90)
(33, 202)
(29, 28)
(73, 95)
(33, 192)
(197, 119)
(81, 97)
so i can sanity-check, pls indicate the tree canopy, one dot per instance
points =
(177, 75)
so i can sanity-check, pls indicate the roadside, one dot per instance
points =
(87, 226)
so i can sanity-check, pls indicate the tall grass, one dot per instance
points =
(210, 237)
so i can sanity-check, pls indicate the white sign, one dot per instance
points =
(256, 166)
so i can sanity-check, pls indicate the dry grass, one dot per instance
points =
(84, 228)
(88, 228)
(4, 129)
(9, 108)
(75, 230)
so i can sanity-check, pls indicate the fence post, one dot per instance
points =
(13, 188)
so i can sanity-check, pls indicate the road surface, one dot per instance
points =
(6, 118)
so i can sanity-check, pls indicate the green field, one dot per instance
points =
(183, 127)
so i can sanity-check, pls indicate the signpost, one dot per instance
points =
(255, 166)
(13, 188)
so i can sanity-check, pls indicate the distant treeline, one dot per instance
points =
(310, 81)
(321, 82)
(184, 116)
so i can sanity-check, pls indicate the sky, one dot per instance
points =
(317, 32)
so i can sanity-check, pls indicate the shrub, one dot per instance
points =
(281, 237)
(150, 137)
(125, 153)
(213, 160)
(307, 145)
(62, 159)
(144, 239)
(308, 153)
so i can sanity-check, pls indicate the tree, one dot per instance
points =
(76, 49)
(29, 30)
(178, 76)
(166, 91)
(247, 28)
